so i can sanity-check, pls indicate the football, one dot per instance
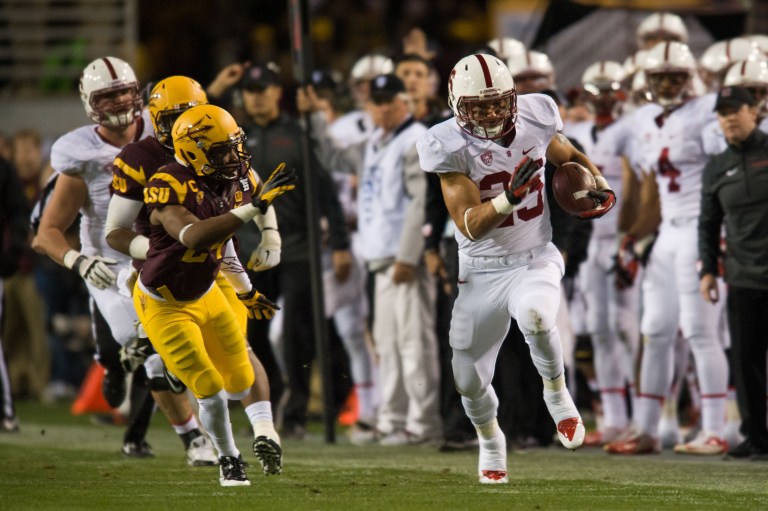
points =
(570, 184)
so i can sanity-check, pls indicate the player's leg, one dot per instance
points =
(479, 324)
(698, 321)
(610, 369)
(224, 340)
(533, 299)
(659, 327)
(174, 330)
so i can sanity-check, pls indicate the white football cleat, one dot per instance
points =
(492, 465)
(570, 427)
(200, 453)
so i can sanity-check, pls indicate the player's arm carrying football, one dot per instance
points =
(559, 151)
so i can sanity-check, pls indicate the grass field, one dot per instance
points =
(60, 462)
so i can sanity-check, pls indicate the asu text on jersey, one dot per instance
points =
(165, 270)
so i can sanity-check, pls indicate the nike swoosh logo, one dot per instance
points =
(528, 151)
(729, 173)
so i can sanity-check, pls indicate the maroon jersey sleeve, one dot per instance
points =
(135, 165)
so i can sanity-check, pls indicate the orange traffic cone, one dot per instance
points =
(90, 399)
(350, 411)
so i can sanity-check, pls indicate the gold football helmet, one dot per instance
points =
(169, 98)
(207, 139)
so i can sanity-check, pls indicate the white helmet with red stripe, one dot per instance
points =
(720, 55)
(506, 47)
(752, 75)
(110, 92)
(661, 26)
(532, 71)
(482, 94)
(761, 40)
(669, 70)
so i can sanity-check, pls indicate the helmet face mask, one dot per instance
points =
(668, 88)
(110, 93)
(207, 139)
(669, 72)
(482, 94)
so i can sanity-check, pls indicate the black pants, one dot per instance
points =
(747, 310)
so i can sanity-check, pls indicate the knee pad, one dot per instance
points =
(154, 366)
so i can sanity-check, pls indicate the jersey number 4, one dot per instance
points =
(524, 214)
(669, 171)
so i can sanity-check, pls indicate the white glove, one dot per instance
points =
(267, 254)
(94, 269)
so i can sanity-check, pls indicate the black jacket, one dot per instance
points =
(281, 141)
(735, 190)
(14, 219)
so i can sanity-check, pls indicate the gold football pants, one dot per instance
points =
(201, 342)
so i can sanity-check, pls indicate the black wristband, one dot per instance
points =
(78, 262)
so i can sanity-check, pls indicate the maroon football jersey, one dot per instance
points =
(133, 168)
(185, 272)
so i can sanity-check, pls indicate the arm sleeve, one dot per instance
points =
(710, 221)
(121, 213)
(233, 269)
(412, 239)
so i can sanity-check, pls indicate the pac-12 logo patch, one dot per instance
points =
(487, 158)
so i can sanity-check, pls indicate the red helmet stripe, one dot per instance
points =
(486, 71)
(667, 46)
(111, 68)
(743, 67)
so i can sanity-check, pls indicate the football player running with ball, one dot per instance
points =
(489, 159)
(195, 205)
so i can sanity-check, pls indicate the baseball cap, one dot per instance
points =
(386, 87)
(260, 76)
(733, 97)
(322, 79)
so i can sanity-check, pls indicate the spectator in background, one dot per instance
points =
(13, 238)
(24, 338)
(735, 192)
(391, 209)
(272, 137)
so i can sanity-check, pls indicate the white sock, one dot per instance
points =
(186, 427)
(214, 415)
(260, 415)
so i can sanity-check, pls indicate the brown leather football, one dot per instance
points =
(570, 184)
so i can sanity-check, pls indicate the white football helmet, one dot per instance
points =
(760, 40)
(532, 72)
(102, 81)
(661, 26)
(669, 69)
(635, 62)
(369, 66)
(482, 94)
(716, 59)
(507, 47)
(752, 75)
(602, 83)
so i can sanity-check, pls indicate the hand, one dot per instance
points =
(604, 196)
(522, 180)
(403, 273)
(227, 77)
(95, 270)
(436, 266)
(307, 100)
(280, 181)
(135, 354)
(267, 254)
(627, 263)
(258, 305)
(342, 265)
(708, 288)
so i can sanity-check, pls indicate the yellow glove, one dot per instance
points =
(280, 181)
(258, 305)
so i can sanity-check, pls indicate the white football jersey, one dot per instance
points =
(447, 148)
(84, 153)
(673, 148)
